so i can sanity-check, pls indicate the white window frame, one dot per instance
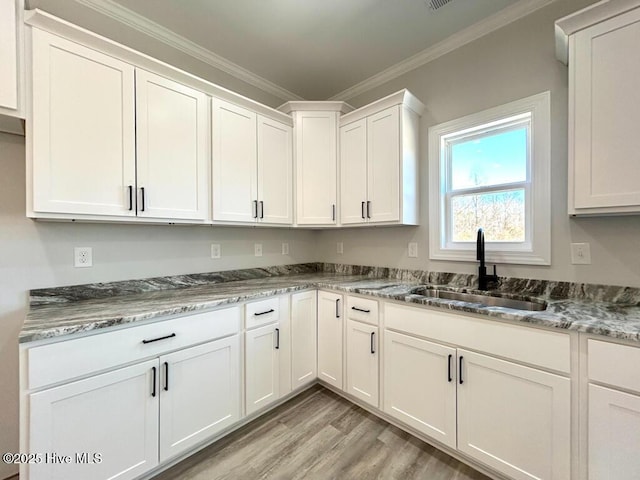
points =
(536, 249)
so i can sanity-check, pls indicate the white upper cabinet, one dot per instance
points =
(172, 149)
(275, 171)
(601, 46)
(11, 80)
(252, 167)
(379, 163)
(82, 133)
(235, 193)
(106, 145)
(353, 172)
(316, 167)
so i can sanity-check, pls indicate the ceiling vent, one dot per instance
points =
(436, 4)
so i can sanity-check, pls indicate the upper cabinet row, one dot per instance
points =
(600, 44)
(113, 139)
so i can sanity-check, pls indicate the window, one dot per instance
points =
(490, 170)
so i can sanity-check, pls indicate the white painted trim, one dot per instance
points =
(315, 106)
(469, 34)
(539, 252)
(136, 21)
(403, 97)
(596, 13)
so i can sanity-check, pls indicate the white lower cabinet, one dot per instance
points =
(362, 361)
(304, 338)
(262, 367)
(330, 338)
(420, 385)
(199, 394)
(614, 434)
(513, 418)
(114, 415)
(613, 418)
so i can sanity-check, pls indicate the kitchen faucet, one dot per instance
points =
(483, 278)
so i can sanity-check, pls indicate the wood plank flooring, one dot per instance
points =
(320, 436)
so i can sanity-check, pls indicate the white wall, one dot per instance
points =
(37, 254)
(511, 63)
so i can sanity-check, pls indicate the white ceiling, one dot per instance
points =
(313, 48)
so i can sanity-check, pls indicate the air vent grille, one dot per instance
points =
(436, 4)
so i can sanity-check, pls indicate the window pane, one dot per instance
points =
(493, 159)
(500, 214)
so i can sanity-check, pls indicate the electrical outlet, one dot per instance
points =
(257, 248)
(215, 250)
(412, 250)
(340, 248)
(580, 254)
(82, 257)
(285, 248)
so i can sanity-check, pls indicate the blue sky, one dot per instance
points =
(494, 159)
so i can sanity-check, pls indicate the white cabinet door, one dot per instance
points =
(383, 165)
(82, 130)
(330, 338)
(316, 167)
(275, 172)
(614, 434)
(9, 55)
(114, 415)
(513, 418)
(303, 338)
(172, 133)
(420, 385)
(362, 361)
(353, 172)
(605, 72)
(234, 166)
(199, 394)
(262, 374)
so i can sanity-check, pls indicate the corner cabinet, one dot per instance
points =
(379, 162)
(146, 154)
(600, 44)
(252, 167)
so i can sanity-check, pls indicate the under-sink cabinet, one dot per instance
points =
(118, 404)
(481, 388)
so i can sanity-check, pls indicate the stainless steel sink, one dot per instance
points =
(533, 305)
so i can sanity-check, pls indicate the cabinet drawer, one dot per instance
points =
(614, 364)
(534, 346)
(362, 310)
(262, 312)
(65, 360)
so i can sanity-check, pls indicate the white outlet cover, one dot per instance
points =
(412, 250)
(285, 248)
(340, 248)
(580, 254)
(82, 257)
(257, 248)
(216, 252)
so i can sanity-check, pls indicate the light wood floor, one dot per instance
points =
(319, 436)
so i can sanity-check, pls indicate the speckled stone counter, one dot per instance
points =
(604, 310)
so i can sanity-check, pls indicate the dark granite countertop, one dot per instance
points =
(609, 311)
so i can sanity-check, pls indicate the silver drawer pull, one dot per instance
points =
(158, 339)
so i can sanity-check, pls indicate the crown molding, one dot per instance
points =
(469, 34)
(136, 21)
